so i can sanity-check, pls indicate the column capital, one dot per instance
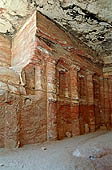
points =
(50, 59)
(75, 67)
(81, 75)
(89, 72)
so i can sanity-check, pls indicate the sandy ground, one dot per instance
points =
(59, 155)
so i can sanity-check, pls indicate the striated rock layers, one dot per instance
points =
(88, 20)
(49, 86)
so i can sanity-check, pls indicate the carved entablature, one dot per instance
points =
(63, 65)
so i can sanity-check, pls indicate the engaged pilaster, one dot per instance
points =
(74, 100)
(51, 100)
(90, 99)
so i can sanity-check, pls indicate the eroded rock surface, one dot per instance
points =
(89, 20)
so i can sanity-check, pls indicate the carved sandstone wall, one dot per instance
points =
(5, 51)
(53, 90)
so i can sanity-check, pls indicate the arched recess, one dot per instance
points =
(67, 100)
(83, 113)
(32, 113)
(63, 99)
(86, 101)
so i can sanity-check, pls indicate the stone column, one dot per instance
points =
(90, 99)
(51, 100)
(39, 84)
(110, 101)
(74, 101)
(110, 94)
(102, 103)
(106, 102)
(82, 85)
(97, 100)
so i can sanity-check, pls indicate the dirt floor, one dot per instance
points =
(87, 152)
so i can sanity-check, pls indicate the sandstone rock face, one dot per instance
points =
(5, 51)
(22, 40)
(89, 20)
(52, 88)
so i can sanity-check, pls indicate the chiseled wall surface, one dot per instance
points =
(23, 44)
(54, 90)
(5, 74)
(23, 120)
(33, 120)
(5, 51)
